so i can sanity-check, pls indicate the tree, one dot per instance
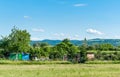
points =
(106, 47)
(61, 48)
(83, 52)
(41, 44)
(42, 49)
(67, 48)
(54, 53)
(17, 41)
(4, 44)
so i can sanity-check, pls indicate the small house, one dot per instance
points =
(90, 56)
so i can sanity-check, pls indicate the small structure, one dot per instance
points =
(90, 56)
(25, 56)
(19, 56)
(65, 58)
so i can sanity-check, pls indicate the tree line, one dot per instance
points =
(18, 41)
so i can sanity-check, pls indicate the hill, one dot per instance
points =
(115, 42)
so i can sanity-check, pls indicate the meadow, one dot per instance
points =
(61, 70)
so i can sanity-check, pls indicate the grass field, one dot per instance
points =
(61, 70)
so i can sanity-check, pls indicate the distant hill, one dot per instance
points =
(115, 42)
(51, 42)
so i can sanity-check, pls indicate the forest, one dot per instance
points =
(18, 41)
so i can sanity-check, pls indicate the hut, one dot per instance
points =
(19, 56)
(90, 55)
(25, 56)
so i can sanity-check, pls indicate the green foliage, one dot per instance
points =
(62, 49)
(104, 47)
(38, 44)
(40, 50)
(2, 53)
(107, 55)
(83, 52)
(70, 48)
(19, 40)
(5, 46)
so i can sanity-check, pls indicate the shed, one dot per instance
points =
(25, 56)
(19, 56)
(90, 56)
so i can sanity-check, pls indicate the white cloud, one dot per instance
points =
(79, 5)
(56, 34)
(93, 31)
(59, 34)
(35, 38)
(117, 36)
(62, 36)
(38, 30)
(27, 17)
(76, 35)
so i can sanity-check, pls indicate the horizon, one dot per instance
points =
(60, 19)
(76, 39)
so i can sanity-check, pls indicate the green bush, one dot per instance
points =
(107, 55)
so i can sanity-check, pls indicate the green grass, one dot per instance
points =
(61, 70)
(10, 62)
(102, 62)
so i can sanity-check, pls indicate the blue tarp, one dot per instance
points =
(25, 56)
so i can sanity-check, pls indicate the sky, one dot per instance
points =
(60, 19)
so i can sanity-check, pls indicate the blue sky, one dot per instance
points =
(59, 19)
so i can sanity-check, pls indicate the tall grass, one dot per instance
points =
(60, 70)
(9, 62)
